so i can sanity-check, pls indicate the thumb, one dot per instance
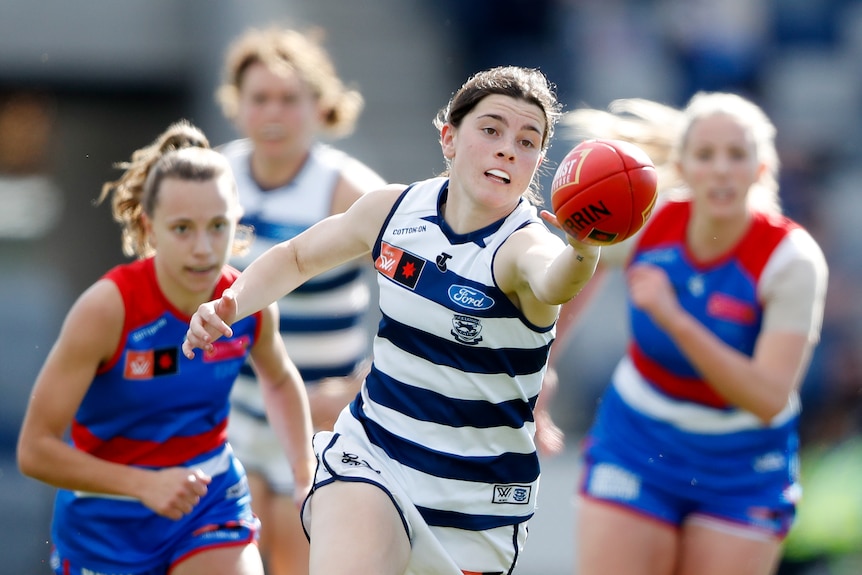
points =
(200, 475)
(227, 306)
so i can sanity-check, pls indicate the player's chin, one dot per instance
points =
(197, 279)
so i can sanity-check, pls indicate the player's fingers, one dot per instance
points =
(188, 348)
(196, 337)
(550, 218)
(199, 481)
(211, 321)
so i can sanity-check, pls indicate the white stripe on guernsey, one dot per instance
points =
(344, 300)
(215, 465)
(639, 394)
(450, 381)
(309, 350)
(485, 442)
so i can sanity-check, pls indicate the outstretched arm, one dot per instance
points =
(279, 270)
(539, 271)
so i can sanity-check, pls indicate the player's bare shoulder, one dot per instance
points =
(368, 214)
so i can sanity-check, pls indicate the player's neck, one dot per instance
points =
(709, 239)
(270, 173)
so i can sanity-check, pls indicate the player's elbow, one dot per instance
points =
(27, 458)
(769, 410)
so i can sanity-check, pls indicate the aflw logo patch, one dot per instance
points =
(399, 265)
(517, 494)
(150, 363)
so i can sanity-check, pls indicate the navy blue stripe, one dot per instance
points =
(448, 352)
(273, 231)
(310, 374)
(503, 468)
(295, 324)
(436, 286)
(426, 405)
(441, 518)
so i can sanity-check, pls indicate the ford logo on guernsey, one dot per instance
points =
(469, 298)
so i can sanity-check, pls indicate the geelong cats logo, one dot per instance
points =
(466, 329)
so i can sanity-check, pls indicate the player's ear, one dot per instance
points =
(447, 140)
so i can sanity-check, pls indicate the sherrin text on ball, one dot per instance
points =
(604, 191)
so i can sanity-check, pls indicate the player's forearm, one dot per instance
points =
(571, 270)
(732, 374)
(54, 462)
(267, 279)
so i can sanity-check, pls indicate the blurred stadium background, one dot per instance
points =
(84, 83)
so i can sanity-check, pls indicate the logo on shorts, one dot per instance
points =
(772, 461)
(237, 490)
(354, 460)
(613, 482)
(517, 494)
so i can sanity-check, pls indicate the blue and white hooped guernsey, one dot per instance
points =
(323, 321)
(457, 368)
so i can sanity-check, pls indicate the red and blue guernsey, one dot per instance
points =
(664, 442)
(152, 407)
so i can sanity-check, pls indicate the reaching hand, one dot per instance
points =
(551, 219)
(210, 322)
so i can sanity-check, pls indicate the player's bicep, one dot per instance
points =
(344, 237)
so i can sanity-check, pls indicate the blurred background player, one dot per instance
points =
(691, 463)
(283, 95)
(148, 482)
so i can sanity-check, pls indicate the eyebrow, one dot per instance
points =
(502, 120)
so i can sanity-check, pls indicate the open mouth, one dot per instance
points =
(499, 175)
(201, 270)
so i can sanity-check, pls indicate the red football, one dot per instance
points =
(604, 191)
